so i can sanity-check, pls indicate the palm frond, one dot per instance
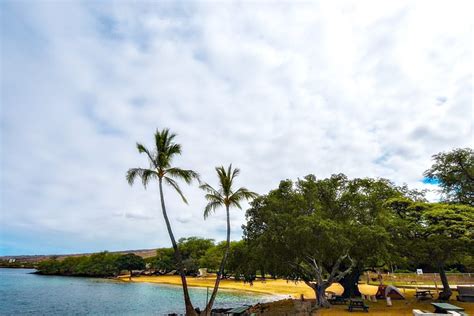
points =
(187, 175)
(164, 139)
(210, 208)
(168, 139)
(209, 189)
(225, 182)
(147, 175)
(175, 185)
(160, 163)
(235, 173)
(144, 174)
(234, 202)
(173, 149)
(161, 139)
(143, 149)
(244, 193)
(165, 147)
(214, 197)
(241, 194)
(131, 175)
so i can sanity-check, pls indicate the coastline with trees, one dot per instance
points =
(317, 232)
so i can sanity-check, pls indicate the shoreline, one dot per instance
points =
(280, 289)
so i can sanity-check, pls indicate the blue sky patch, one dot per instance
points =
(426, 180)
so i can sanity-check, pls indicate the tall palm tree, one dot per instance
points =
(225, 196)
(160, 159)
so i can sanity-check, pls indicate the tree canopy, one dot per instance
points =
(454, 171)
(315, 228)
(432, 233)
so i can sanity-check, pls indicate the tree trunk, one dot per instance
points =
(320, 292)
(446, 293)
(130, 277)
(187, 300)
(208, 309)
(349, 282)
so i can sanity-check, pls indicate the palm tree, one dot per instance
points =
(160, 169)
(225, 196)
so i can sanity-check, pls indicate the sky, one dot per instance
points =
(278, 89)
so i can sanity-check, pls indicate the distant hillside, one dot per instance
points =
(145, 253)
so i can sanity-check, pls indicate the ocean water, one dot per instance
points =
(23, 293)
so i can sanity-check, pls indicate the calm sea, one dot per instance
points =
(24, 293)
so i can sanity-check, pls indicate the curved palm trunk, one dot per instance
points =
(187, 300)
(208, 309)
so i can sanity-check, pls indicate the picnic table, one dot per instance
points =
(238, 310)
(357, 303)
(421, 294)
(446, 307)
(337, 299)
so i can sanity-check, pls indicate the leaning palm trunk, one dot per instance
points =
(227, 197)
(187, 300)
(160, 169)
(208, 309)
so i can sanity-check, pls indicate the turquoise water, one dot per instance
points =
(24, 293)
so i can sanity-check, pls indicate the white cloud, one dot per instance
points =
(280, 90)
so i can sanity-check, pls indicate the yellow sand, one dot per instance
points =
(270, 286)
(284, 288)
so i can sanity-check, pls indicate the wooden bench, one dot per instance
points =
(357, 304)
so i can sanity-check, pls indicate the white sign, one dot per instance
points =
(419, 271)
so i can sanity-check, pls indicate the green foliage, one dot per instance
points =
(432, 233)
(101, 264)
(164, 261)
(191, 266)
(50, 266)
(226, 195)
(130, 262)
(194, 247)
(160, 160)
(435, 234)
(235, 261)
(213, 256)
(323, 219)
(192, 250)
(455, 172)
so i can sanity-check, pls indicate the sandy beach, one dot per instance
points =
(278, 287)
(283, 289)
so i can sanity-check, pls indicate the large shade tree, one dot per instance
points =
(321, 231)
(130, 262)
(160, 169)
(224, 196)
(454, 171)
(358, 205)
(433, 233)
